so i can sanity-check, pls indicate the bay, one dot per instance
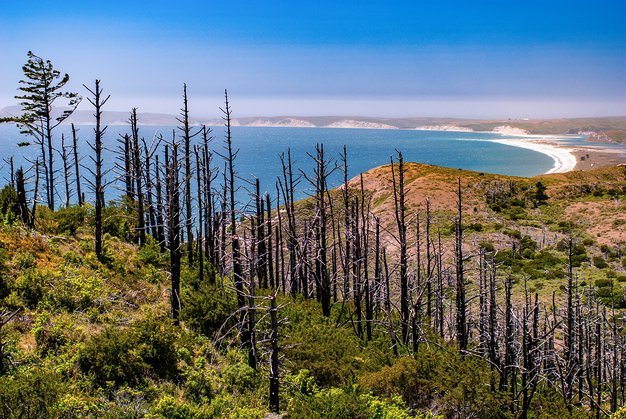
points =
(260, 149)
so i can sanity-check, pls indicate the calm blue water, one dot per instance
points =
(260, 147)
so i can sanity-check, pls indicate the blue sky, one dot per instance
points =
(437, 58)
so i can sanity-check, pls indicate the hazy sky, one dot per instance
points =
(415, 58)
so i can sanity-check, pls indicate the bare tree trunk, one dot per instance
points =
(173, 204)
(159, 206)
(98, 185)
(77, 166)
(137, 173)
(274, 367)
(21, 196)
(184, 120)
(199, 172)
(398, 193)
(66, 170)
(268, 239)
(461, 324)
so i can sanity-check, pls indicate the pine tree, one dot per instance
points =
(42, 87)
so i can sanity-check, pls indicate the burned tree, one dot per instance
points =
(79, 192)
(98, 173)
(398, 194)
(172, 168)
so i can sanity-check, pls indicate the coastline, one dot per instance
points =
(565, 159)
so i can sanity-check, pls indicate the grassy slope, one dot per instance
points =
(77, 311)
(592, 202)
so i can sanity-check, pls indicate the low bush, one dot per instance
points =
(127, 355)
(31, 392)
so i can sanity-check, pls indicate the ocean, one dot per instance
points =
(260, 148)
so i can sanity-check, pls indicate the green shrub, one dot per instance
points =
(31, 287)
(171, 408)
(487, 246)
(540, 195)
(125, 355)
(156, 341)
(349, 402)
(112, 356)
(69, 219)
(50, 337)
(207, 307)
(8, 203)
(330, 353)
(73, 291)
(599, 262)
(474, 227)
(31, 393)
(118, 220)
(239, 376)
(24, 260)
(150, 252)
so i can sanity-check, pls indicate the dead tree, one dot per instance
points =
(160, 210)
(187, 135)
(287, 187)
(461, 310)
(98, 172)
(138, 177)
(66, 170)
(199, 172)
(346, 226)
(238, 278)
(268, 239)
(21, 197)
(172, 168)
(398, 194)
(274, 366)
(261, 244)
(79, 193)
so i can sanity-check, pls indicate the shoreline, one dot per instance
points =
(565, 159)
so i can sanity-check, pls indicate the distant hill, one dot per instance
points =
(518, 126)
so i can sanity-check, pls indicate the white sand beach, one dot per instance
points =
(564, 158)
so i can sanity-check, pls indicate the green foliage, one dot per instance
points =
(601, 283)
(172, 408)
(349, 402)
(332, 354)
(207, 307)
(31, 393)
(540, 195)
(240, 378)
(150, 253)
(156, 340)
(599, 262)
(48, 336)
(118, 220)
(8, 204)
(30, 287)
(438, 379)
(74, 291)
(620, 414)
(487, 246)
(112, 357)
(127, 355)
(69, 219)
